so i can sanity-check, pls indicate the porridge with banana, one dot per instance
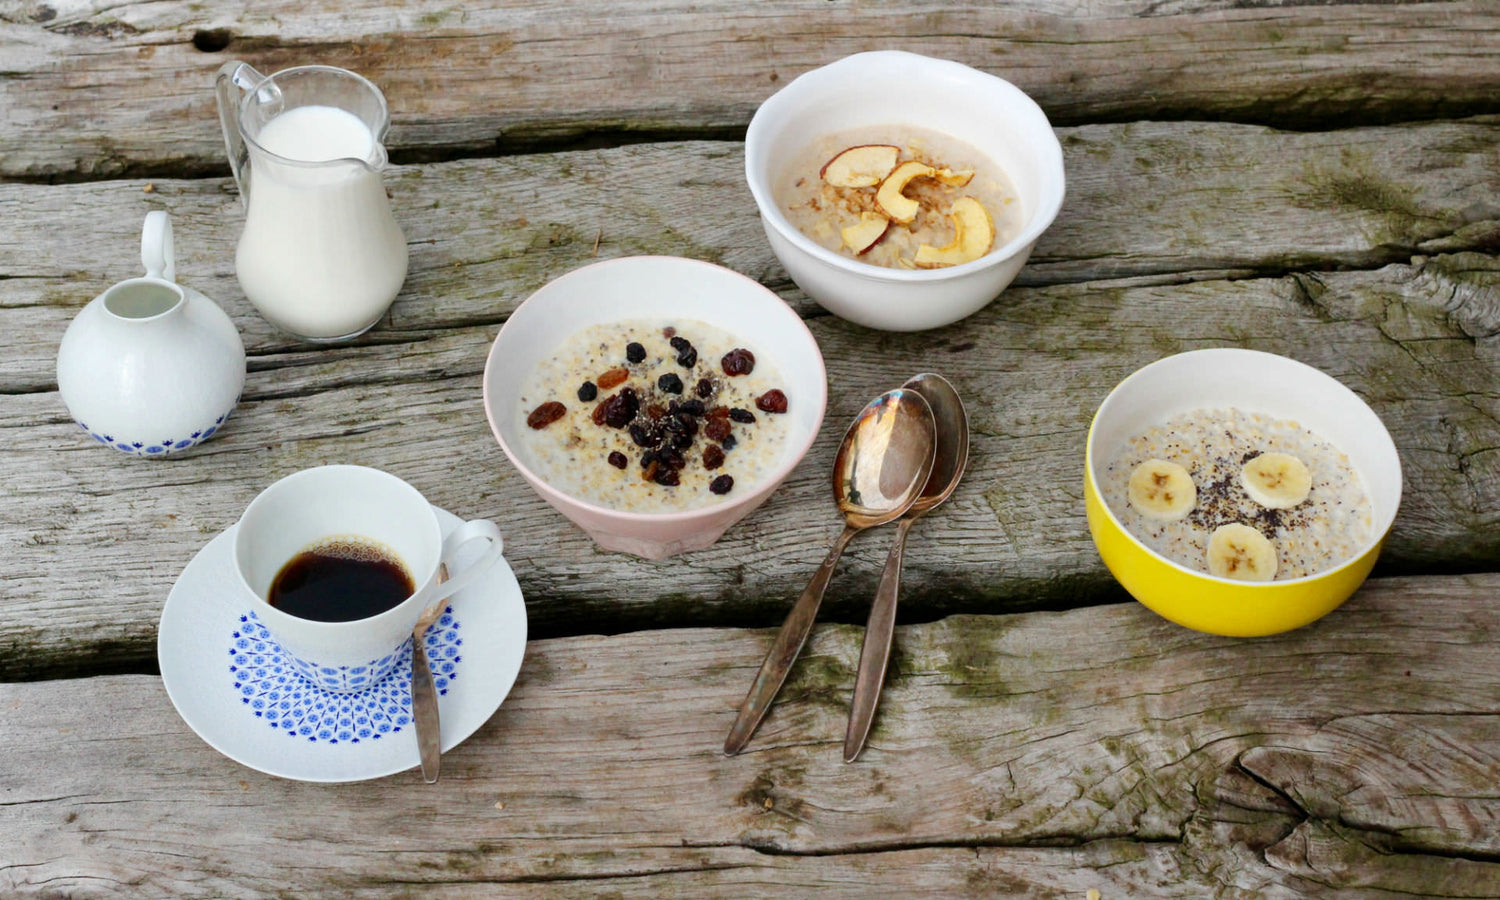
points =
(1239, 495)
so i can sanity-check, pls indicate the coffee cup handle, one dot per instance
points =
(479, 529)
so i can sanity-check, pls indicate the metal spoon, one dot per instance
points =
(948, 468)
(878, 474)
(424, 703)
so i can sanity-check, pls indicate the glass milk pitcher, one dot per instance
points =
(321, 256)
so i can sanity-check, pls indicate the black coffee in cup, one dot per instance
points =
(341, 580)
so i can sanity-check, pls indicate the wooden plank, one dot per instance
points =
(1010, 757)
(96, 89)
(1171, 200)
(1417, 341)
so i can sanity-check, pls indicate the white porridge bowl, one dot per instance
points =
(904, 89)
(1253, 382)
(656, 288)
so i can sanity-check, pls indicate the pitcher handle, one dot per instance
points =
(235, 74)
(157, 253)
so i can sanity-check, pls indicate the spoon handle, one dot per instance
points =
(875, 655)
(789, 641)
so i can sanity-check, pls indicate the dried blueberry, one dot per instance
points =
(743, 416)
(618, 460)
(679, 343)
(717, 429)
(618, 410)
(641, 435)
(667, 478)
(669, 458)
(588, 391)
(670, 383)
(648, 458)
(722, 484)
(704, 388)
(682, 441)
(688, 358)
(772, 401)
(546, 414)
(738, 361)
(693, 407)
(635, 352)
(713, 456)
(728, 443)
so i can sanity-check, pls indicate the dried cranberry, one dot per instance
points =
(722, 484)
(679, 343)
(717, 429)
(668, 332)
(738, 361)
(713, 457)
(668, 478)
(728, 443)
(670, 383)
(641, 436)
(588, 391)
(693, 408)
(704, 388)
(613, 377)
(743, 416)
(688, 358)
(618, 460)
(546, 414)
(772, 401)
(635, 352)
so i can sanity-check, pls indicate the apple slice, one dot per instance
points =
(961, 178)
(889, 198)
(862, 166)
(866, 233)
(973, 234)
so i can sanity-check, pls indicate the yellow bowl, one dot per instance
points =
(1253, 382)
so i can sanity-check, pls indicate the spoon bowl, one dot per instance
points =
(882, 468)
(951, 458)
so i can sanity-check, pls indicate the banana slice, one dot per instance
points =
(1162, 490)
(1242, 553)
(1276, 480)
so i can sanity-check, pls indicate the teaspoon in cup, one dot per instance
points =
(879, 472)
(951, 459)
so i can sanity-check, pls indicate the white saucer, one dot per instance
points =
(230, 685)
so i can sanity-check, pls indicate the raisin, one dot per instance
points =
(722, 484)
(618, 460)
(635, 352)
(598, 414)
(713, 457)
(704, 388)
(655, 411)
(668, 458)
(717, 429)
(588, 391)
(669, 332)
(719, 412)
(738, 361)
(728, 443)
(648, 472)
(616, 411)
(546, 414)
(688, 358)
(693, 407)
(670, 383)
(743, 416)
(679, 343)
(613, 377)
(772, 401)
(668, 478)
(641, 435)
(688, 423)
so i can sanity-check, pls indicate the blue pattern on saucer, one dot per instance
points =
(163, 447)
(272, 687)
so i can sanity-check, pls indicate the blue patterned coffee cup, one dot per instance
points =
(366, 505)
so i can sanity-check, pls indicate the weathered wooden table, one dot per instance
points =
(1318, 180)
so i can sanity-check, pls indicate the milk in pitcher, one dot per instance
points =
(321, 255)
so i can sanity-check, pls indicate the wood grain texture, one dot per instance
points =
(1417, 341)
(1011, 756)
(1170, 201)
(93, 89)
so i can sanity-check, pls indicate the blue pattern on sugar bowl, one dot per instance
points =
(344, 704)
(163, 447)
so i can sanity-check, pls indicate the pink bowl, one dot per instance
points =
(656, 287)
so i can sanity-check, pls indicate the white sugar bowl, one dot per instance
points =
(148, 367)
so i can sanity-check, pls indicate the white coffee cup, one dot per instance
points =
(352, 502)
